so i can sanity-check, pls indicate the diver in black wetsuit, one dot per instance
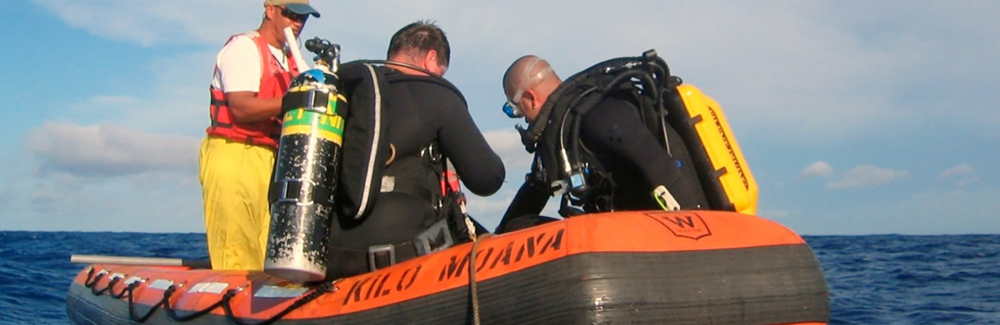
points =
(641, 173)
(427, 119)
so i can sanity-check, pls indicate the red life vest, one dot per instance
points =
(274, 81)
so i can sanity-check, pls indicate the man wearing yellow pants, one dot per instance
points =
(252, 73)
(236, 207)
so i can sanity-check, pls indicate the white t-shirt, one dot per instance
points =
(237, 67)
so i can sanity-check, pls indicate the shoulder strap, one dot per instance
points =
(366, 147)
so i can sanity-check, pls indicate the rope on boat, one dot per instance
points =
(327, 287)
(473, 288)
(173, 314)
(322, 289)
(92, 281)
(112, 283)
(144, 318)
(126, 290)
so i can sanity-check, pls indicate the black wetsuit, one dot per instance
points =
(621, 143)
(421, 110)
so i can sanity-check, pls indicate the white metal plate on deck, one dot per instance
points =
(279, 292)
(161, 284)
(209, 287)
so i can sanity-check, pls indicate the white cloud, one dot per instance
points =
(789, 74)
(963, 169)
(823, 70)
(101, 178)
(153, 23)
(865, 176)
(816, 169)
(962, 175)
(109, 150)
(507, 144)
(174, 98)
(136, 203)
(935, 211)
(489, 210)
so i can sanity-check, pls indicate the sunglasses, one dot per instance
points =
(512, 107)
(293, 16)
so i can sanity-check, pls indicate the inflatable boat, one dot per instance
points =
(685, 267)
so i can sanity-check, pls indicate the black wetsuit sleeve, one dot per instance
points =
(529, 201)
(479, 167)
(614, 128)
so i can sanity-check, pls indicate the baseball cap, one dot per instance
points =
(301, 7)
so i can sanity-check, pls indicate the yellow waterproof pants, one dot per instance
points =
(234, 179)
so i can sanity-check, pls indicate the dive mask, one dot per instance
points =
(512, 107)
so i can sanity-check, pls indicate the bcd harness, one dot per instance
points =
(409, 176)
(566, 166)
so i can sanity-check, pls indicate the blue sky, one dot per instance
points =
(856, 117)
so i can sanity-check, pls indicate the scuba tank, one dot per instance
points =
(304, 180)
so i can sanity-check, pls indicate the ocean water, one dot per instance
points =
(878, 279)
